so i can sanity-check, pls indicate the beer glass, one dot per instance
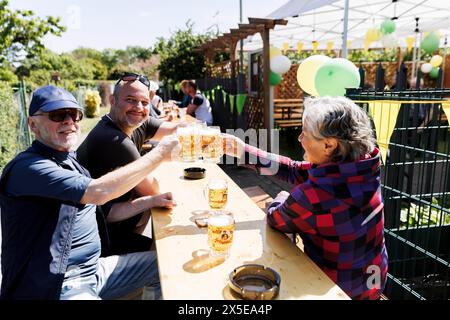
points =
(182, 113)
(220, 232)
(216, 193)
(211, 144)
(188, 137)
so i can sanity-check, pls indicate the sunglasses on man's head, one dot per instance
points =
(60, 115)
(133, 77)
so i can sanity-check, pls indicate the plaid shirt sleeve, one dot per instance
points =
(284, 168)
(291, 216)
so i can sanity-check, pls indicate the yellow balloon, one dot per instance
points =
(306, 73)
(299, 46)
(436, 61)
(274, 52)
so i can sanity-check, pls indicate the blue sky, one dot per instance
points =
(104, 24)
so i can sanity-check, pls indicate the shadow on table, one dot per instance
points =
(202, 261)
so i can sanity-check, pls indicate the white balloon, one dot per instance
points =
(389, 41)
(280, 64)
(426, 68)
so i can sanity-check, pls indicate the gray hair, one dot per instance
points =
(340, 118)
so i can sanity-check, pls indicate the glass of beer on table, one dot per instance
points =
(216, 193)
(220, 232)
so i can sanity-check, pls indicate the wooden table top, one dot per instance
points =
(186, 269)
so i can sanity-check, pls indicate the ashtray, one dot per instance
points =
(194, 173)
(255, 282)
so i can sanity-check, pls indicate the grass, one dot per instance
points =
(87, 124)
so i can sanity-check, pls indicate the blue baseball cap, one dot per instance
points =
(51, 98)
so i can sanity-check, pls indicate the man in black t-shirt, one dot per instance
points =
(115, 141)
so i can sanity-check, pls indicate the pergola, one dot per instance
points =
(227, 42)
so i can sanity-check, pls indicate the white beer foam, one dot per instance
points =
(220, 220)
(217, 185)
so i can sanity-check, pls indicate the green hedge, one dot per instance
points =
(9, 118)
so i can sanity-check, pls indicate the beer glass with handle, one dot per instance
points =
(216, 193)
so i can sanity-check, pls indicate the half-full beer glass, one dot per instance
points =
(217, 193)
(211, 144)
(220, 232)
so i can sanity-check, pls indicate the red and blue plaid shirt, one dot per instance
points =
(337, 209)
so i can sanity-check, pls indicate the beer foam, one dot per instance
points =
(182, 131)
(220, 220)
(217, 185)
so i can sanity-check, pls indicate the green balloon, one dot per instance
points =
(434, 73)
(387, 27)
(333, 77)
(430, 43)
(274, 78)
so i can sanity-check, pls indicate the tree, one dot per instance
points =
(21, 32)
(178, 59)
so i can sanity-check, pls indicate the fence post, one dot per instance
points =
(23, 101)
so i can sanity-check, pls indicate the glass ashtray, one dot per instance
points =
(255, 282)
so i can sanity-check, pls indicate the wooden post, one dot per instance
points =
(266, 84)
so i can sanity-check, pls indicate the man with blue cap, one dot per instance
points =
(50, 237)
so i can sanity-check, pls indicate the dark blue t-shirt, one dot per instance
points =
(45, 178)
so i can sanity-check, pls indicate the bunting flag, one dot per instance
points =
(384, 115)
(285, 47)
(231, 102)
(315, 45)
(224, 96)
(330, 46)
(410, 43)
(299, 46)
(446, 108)
(240, 102)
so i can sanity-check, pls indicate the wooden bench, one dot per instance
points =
(287, 112)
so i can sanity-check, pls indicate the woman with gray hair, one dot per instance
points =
(336, 206)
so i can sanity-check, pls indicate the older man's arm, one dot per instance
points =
(166, 128)
(122, 180)
(124, 210)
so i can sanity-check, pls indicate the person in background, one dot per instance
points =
(199, 106)
(156, 100)
(186, 98)
(336, 205)
(114, 142)
(50, 237)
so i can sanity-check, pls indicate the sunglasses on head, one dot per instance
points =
(60, 115)
(133, 77)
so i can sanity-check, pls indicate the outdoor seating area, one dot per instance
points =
(302, 154)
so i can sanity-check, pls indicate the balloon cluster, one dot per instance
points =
(385, 33)
(279, 64)
(432, 67)
(319, 75)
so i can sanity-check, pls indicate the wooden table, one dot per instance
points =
(187, 271)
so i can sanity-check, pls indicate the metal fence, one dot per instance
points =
(413, 130)
(22, 99)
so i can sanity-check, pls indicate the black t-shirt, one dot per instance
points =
(197, 100)
(107, 147)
